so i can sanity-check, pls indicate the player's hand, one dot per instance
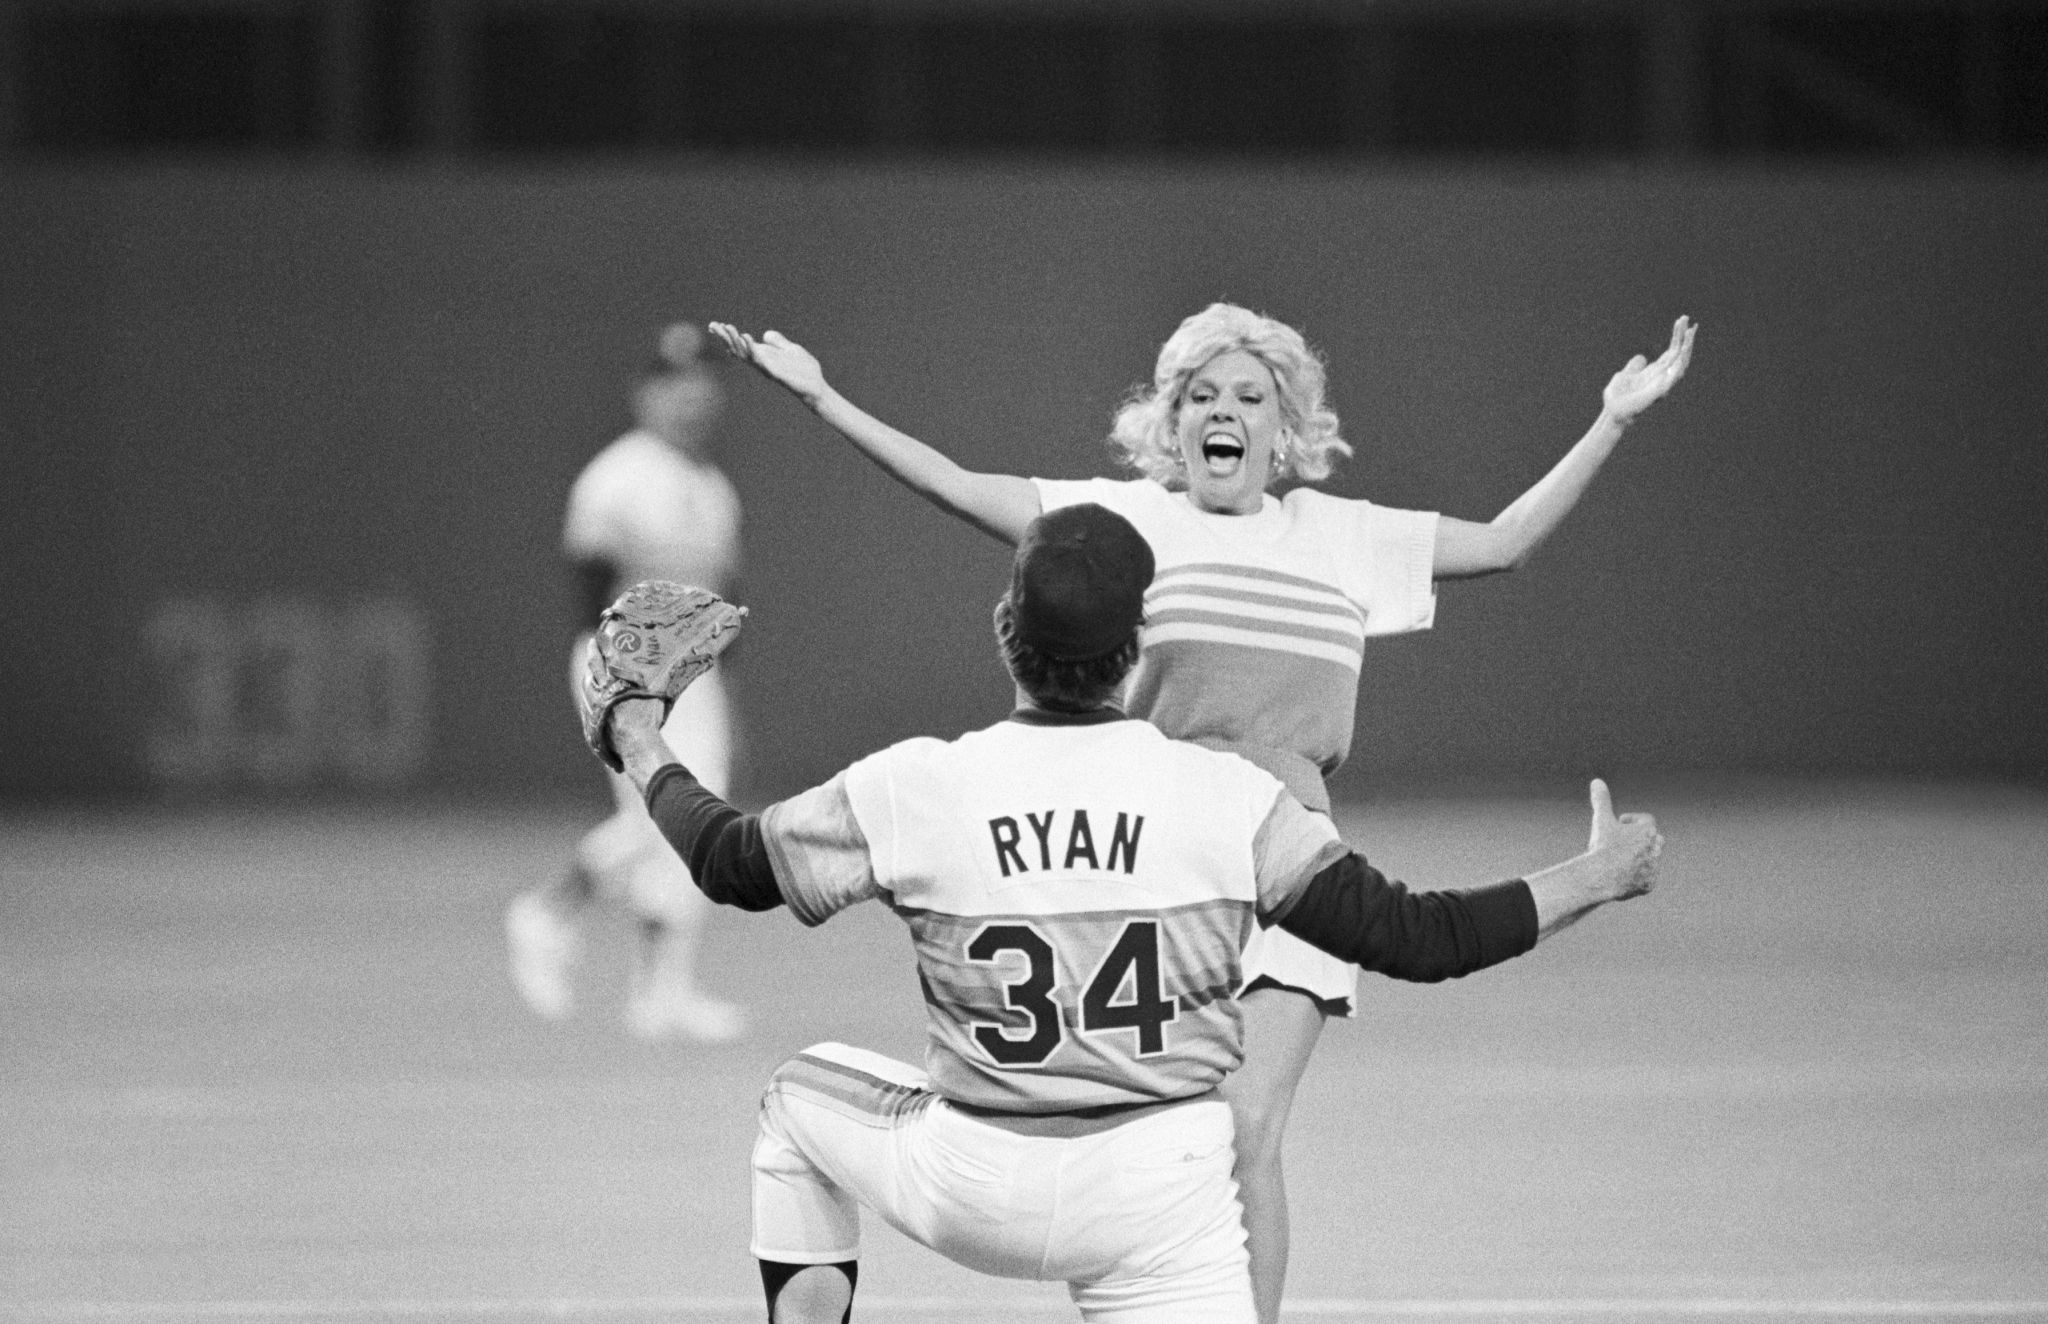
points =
(1628, 845)
(1641, 383)
(778, 358)
(635, 728)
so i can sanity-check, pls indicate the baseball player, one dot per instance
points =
(1260, 613)
(1079, 890)
(651, 505)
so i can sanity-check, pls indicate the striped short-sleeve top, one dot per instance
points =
(1256, 624)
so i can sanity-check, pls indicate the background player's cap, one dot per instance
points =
(681, 344)
(1077, 587)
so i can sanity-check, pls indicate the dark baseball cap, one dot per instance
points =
(1077, 587)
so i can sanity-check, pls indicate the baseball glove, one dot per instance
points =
(650, 644)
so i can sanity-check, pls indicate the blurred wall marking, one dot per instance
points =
(288, 691)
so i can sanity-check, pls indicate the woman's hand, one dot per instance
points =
(778, 358)
(1642, 383)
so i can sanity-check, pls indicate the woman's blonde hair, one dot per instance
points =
(1308, 445)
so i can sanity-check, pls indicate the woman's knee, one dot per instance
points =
(1261, 1120)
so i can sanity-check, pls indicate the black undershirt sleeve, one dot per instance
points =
(724, 848)
(1356, 913)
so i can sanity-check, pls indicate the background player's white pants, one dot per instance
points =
(626, 855)
(1141, 1220)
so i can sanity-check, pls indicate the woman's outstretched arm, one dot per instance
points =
(1000, 505)
(1465, 549)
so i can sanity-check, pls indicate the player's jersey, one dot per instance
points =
(1078, 891)
(1256, 624)
(655, 513)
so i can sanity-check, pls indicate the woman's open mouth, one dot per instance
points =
(1222, 453)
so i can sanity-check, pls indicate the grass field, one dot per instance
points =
(267, 1065)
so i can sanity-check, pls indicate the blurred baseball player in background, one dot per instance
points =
(1079, 889)
(651, 505)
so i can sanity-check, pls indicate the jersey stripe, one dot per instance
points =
(1254, 608)
(848, 1090)
(1349, 656)
(1196, 987)
(1275, 581)
(1224, 610)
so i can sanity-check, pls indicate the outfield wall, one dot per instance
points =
(285, 452)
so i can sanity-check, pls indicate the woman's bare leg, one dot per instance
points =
(1280, 1032)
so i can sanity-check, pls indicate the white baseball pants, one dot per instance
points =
(1140, 1220)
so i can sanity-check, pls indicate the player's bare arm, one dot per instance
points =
(1000, 505)
(1466, 549)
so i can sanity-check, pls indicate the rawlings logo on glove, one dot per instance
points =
(650, 644)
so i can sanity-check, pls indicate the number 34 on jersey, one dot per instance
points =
(1130, 997)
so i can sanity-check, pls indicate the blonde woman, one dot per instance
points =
(1258, 612)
